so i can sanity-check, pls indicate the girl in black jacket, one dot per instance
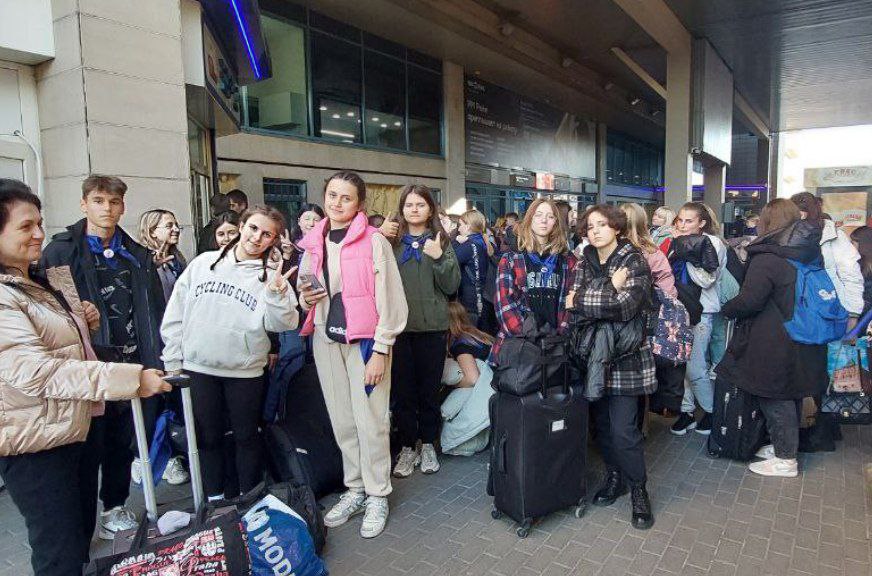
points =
(762, 359)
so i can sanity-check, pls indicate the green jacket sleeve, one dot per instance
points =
(446, 272)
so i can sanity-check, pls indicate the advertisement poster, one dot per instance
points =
(847, 209)
(511, 131)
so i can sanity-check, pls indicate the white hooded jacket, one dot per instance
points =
(842, 262)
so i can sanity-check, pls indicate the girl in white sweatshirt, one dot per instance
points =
(215, 329)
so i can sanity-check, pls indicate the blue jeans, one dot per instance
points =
(699, 386)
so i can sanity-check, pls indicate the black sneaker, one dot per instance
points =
(684, 423)
(705, 425)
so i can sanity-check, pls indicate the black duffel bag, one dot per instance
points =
(524, 362)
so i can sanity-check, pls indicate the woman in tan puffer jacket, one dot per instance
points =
(50, 385)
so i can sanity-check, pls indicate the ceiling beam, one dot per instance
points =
(640, 72)
(750, 117)
(659, 22)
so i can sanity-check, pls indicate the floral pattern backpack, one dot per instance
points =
(672, 337)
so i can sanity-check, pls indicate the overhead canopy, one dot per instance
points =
(800, 63)
(236, 24)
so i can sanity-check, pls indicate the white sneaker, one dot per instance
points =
(136, 471)
(775, 467)
(350, 503)
(375, 518)
(406, 462)
(118, 519)
(429, 461)
(766, 452)
(175, 472)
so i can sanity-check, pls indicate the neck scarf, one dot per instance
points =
(413, 246)
(546, 266)
(115, 248)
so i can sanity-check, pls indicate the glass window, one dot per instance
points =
(336, 80)
(279, 103)
(385, 98)
(285, 195)
(425, 111)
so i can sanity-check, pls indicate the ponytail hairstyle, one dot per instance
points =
(355, 180)
(704, 213)
(281, 225)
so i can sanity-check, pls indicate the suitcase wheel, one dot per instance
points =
(524, 529)
(496, 514)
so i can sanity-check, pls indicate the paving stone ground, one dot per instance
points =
(712, 517)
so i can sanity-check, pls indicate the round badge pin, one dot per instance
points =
(544, 270)
(109, 253)
(416, 245)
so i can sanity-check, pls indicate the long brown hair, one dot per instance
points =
(433, 224)
(777, 214)
(273, 214)
(556, 243)
(863, 237)
(459, 326)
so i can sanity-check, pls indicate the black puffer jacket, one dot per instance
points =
(762, 358)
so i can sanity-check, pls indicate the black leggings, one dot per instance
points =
(416, 376)
(217, 399)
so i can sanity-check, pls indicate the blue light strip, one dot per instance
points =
(244, 33)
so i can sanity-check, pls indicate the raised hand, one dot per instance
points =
(162, 256)
(389, 228)
(279, 282)
(433, 247)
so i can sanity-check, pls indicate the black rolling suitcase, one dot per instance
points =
(301, 447)
(738, 424)
(538, 453)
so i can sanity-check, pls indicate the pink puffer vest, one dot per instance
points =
(358, 276)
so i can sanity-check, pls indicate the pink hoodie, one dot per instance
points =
(661, 272)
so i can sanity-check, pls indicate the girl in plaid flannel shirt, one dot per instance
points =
(534, 281)
(611, 296)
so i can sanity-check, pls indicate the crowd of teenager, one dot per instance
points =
(393, 309)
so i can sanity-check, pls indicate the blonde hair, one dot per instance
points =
(666, 213)
(475, 220)
(637, 228)
(148, 222)
(556, 243)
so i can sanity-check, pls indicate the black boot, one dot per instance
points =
(643, 517)
(613, 488)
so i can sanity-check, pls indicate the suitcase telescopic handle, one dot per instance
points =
(183, 383)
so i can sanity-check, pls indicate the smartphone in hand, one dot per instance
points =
(312, 281)
(178, 380)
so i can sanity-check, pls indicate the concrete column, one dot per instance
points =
(113, 102)
(601, 157)
(774, 162)
(714, 179)
(762, 174)
(454, 195)
(679, 163)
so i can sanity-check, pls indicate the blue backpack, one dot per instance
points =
(818, 316)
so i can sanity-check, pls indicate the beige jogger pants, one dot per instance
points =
(360, 422)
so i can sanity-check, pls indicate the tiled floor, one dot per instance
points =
(713, 517)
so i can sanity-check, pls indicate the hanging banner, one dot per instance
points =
(507, 130)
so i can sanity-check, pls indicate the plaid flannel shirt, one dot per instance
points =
(511, 297)
(596, 298)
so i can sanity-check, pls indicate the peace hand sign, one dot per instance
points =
(433, 247)
(162, 256)
(279, 282)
